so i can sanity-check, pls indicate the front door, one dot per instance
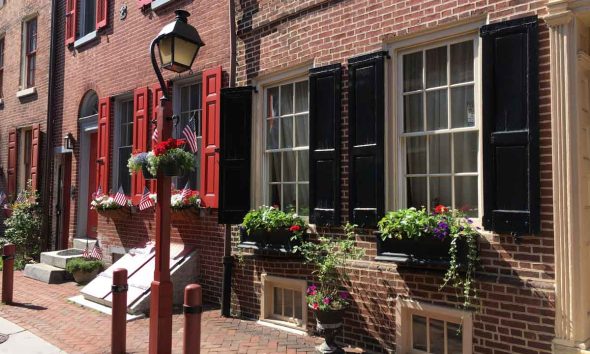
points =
(92, 216)
(62, 201)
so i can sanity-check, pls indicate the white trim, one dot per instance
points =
(86, 39)
(26, 92)
(115, 183)
(88, 125)
(156, 4)
(267, 301)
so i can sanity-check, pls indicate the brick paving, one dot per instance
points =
(44, 310)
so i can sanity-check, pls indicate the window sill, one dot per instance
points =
(85, 40)
(282, 326)
(26, 92)
(157, 4)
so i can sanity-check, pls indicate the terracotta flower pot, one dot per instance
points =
(82, 277)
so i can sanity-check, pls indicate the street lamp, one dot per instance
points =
(178, 44)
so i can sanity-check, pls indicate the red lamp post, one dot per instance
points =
(178, 44)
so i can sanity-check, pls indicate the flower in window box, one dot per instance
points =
(171, 157)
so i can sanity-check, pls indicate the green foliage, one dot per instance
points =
(136, 161)
(185, 160)
(272, 219)
(412, 223)
(23, 228)
(329, 256)
(84, 265)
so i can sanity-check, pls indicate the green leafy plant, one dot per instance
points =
(83, 265)
(443, 223)
(23, 227)
(137, 161)
(329, 256)
(272, 219)
(170, 153)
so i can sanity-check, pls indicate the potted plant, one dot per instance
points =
(83, 269)
(443, 237)
(272, 229)
(185, 205)
(139, 162)
(107, 206)
(327, 299)
(171, 157)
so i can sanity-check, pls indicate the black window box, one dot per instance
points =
(419, 251)
(276, 240)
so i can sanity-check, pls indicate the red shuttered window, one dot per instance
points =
(11, 170)
(34, 162)
(210, 137)
(71, 21)
(101, 13)
(141, 127)
(103, 149)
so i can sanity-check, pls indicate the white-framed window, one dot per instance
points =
(25, 146)
(188, 107)
(425, 328)
(283, 302)
(29, 53)
(286, 146)
(438, 125)
(86, 17)
(123, 143)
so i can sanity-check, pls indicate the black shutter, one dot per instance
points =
(510, 126)
(234, 156)
(324, 144)
(366, 101)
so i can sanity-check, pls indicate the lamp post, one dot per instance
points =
(178, 44)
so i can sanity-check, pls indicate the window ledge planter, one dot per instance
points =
(419, 251)
(189, 213)
(114, 213)
(276, 240)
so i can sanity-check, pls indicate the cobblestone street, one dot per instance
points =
(43, 309)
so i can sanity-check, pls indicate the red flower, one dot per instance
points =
(440, 209)
(295, 228)
(315, 306)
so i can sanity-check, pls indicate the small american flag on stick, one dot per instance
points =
(96, 252)
(190, 135)
(186, 192)
(21, 197)
(98, 193)
(146, 201)
(120, 197)
(155, 136)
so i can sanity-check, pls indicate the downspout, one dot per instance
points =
(228, 260)
(49, 124)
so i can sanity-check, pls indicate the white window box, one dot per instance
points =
(157, 4)
(26, 92)
(85, 40)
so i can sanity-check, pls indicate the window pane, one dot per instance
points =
(466, 148)
(437, 336)
(301, 100)
(303, 166)
(272, 134)
(466, 195)
(124, 177)
(297, 305)
(278, 301)
(462, 107)
(289, 172)
(440, 191)
(419, 332)
(436, 67)
(454, 340)
(413, 117)
(275, 195)
(412, 71)
(274, 164)
(436, 108)
(416, 155)
(289, 199)
(303, 190)
(417, 192)
(272, 103)
(302, 130)
(185, 99)
(287, 132)
(462, 62)
(288, 299)
(439, 153)
(286, 99)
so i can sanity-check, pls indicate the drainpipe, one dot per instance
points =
(45, 188)
(228, 260)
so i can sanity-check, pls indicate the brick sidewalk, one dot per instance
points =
(44, 310)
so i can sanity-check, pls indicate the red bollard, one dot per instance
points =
(119, 318)
(193, 308)
(8, 253)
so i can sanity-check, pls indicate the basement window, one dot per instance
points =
(283, 302)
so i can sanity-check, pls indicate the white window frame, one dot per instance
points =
(117, 141)
(269, 282)
(395, 152)
(81, 16)
(259, 191)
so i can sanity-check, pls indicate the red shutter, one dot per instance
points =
(156, 92)
(142, 3)
(102, 7)
(104, 143)
(11, 171)
(210, 137)
(141, 125)
(35, 145)
(71, 21)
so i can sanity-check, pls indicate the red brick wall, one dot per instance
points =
(515, 282)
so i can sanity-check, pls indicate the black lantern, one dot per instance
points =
(69, 141)
(178, 45)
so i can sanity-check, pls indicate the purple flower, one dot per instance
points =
(469, 221)
(312, 290)
(327, 301)
(344, 295)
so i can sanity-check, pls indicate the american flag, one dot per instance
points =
(98, 193)
(21, 197)
(190, 135)
(146, 201)
(120, 197)
(186, 192)
(2, 197)
(96, 252)
(85, 254)
(155, 136)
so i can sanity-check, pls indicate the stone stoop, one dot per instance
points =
(46, 273)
